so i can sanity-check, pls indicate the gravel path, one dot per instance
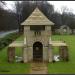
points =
(38, 68)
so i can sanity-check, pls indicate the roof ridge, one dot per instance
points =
(35, 16)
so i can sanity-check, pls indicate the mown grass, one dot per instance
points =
(53, 68)
(64, 67)
(12, 68)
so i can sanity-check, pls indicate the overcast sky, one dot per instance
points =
(57, 5)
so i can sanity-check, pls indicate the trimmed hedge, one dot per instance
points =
(8, 39)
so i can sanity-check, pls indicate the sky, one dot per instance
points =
(9, 5)
(57, 5)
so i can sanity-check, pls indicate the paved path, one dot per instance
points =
(4, 33)
(38, 68)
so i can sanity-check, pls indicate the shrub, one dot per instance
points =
(8, 39)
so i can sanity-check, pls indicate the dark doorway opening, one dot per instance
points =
(37, 51)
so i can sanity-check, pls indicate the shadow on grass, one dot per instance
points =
(4, 69)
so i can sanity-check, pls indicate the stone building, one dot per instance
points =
(37, 44)
(37, 31)
(64, 29)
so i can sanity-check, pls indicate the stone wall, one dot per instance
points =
(31, 39)
(11, 54)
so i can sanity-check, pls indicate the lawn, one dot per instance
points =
(12, 68)
(53, 68)
(64, 67)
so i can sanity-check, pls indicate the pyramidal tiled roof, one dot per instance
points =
(37, 18)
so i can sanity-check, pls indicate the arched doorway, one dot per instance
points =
(37, 51)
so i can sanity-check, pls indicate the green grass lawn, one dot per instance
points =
(53, 68)
(13, 68)
(64, 67)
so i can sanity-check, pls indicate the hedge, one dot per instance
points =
(8, 39)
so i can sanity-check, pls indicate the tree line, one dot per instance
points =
(10, 20)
